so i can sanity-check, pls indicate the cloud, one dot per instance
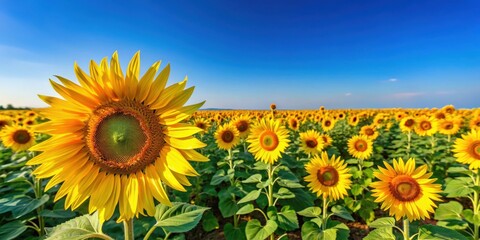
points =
(444, 92)
(392, 80)
(348, 94)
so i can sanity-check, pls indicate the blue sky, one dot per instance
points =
(248, 54)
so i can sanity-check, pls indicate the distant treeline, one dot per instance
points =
(11, 107)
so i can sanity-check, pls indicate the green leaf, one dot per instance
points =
(302, 200)
(260, 165)
(357, 189)
(380, 233)
(286, 174)
(431, 232)
(385, 222)
(209, 222)
(450, 210)
(218, 178)
(352, 161)
(255, 178)
(310, 212)
(335, 230)
(367, 164)
(471, 217)
(234, 233)
(246, 209)
(57, 214)
(180, 217)
(340, 211)
(263, 184)
(253, 195)
(28, 206)
(227, 204)
(83, 227)
(289, 184)
(453, 224)
(12, 230)
(459, 187)
(461, 170)
(284, 193)
(255, 230)
(286, 218)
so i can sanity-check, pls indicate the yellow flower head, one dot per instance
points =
(405, 190)
(328, 177)
(268, 140)
(311, 142)
(116, 138)
(227, 136)
(360, 147)
(467, 149)
(18, 138)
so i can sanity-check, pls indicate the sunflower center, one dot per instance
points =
(294, 124)
(311, 143)
(404, 188)
(227, 136)
(426, 125)
(242, 126)
(475, 150)
(328, 123)
(448, 126)
(3, 123)
(120, 137)
(21, 136)
(361, 145)
(369, 132)
(409, 122)
(123, 137)
(269, 140)
(327, 176)
(201, 125)
(478, 124)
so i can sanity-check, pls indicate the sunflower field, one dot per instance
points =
(120, 156)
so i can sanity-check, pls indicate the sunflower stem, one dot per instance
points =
(409, 140)
(149, 233)
(128, 229)
(324, 211)
(232, 182)
(270, 191)
(475, 205)
(38, 195)
(406, 228)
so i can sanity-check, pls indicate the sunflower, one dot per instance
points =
(449, 109)
(449, 126)
(268, 140)
(467, 149)
(227, 136)
(242, 123)
(407, 124)
(425, 126)
(369, 131)
(327, 140)
(475, 123)
(116, 138)
(328, 123)
(360, 147)
(311, 142)
(328, 177)
(5, 121)
(293, 123)
(406, 190)
(18, 138)
(202, 123)
(353, 120)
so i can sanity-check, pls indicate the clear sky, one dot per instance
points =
(248, 54)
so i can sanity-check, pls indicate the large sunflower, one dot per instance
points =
(227, 136)
(406, 190)
(449, 125)
(328, 123)
(268, 140)
(18, 138)
(328, 177)
(4, 121)
(360, 146)
(116, 138)
(311, 142)
(467, 149)
(369, 131)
